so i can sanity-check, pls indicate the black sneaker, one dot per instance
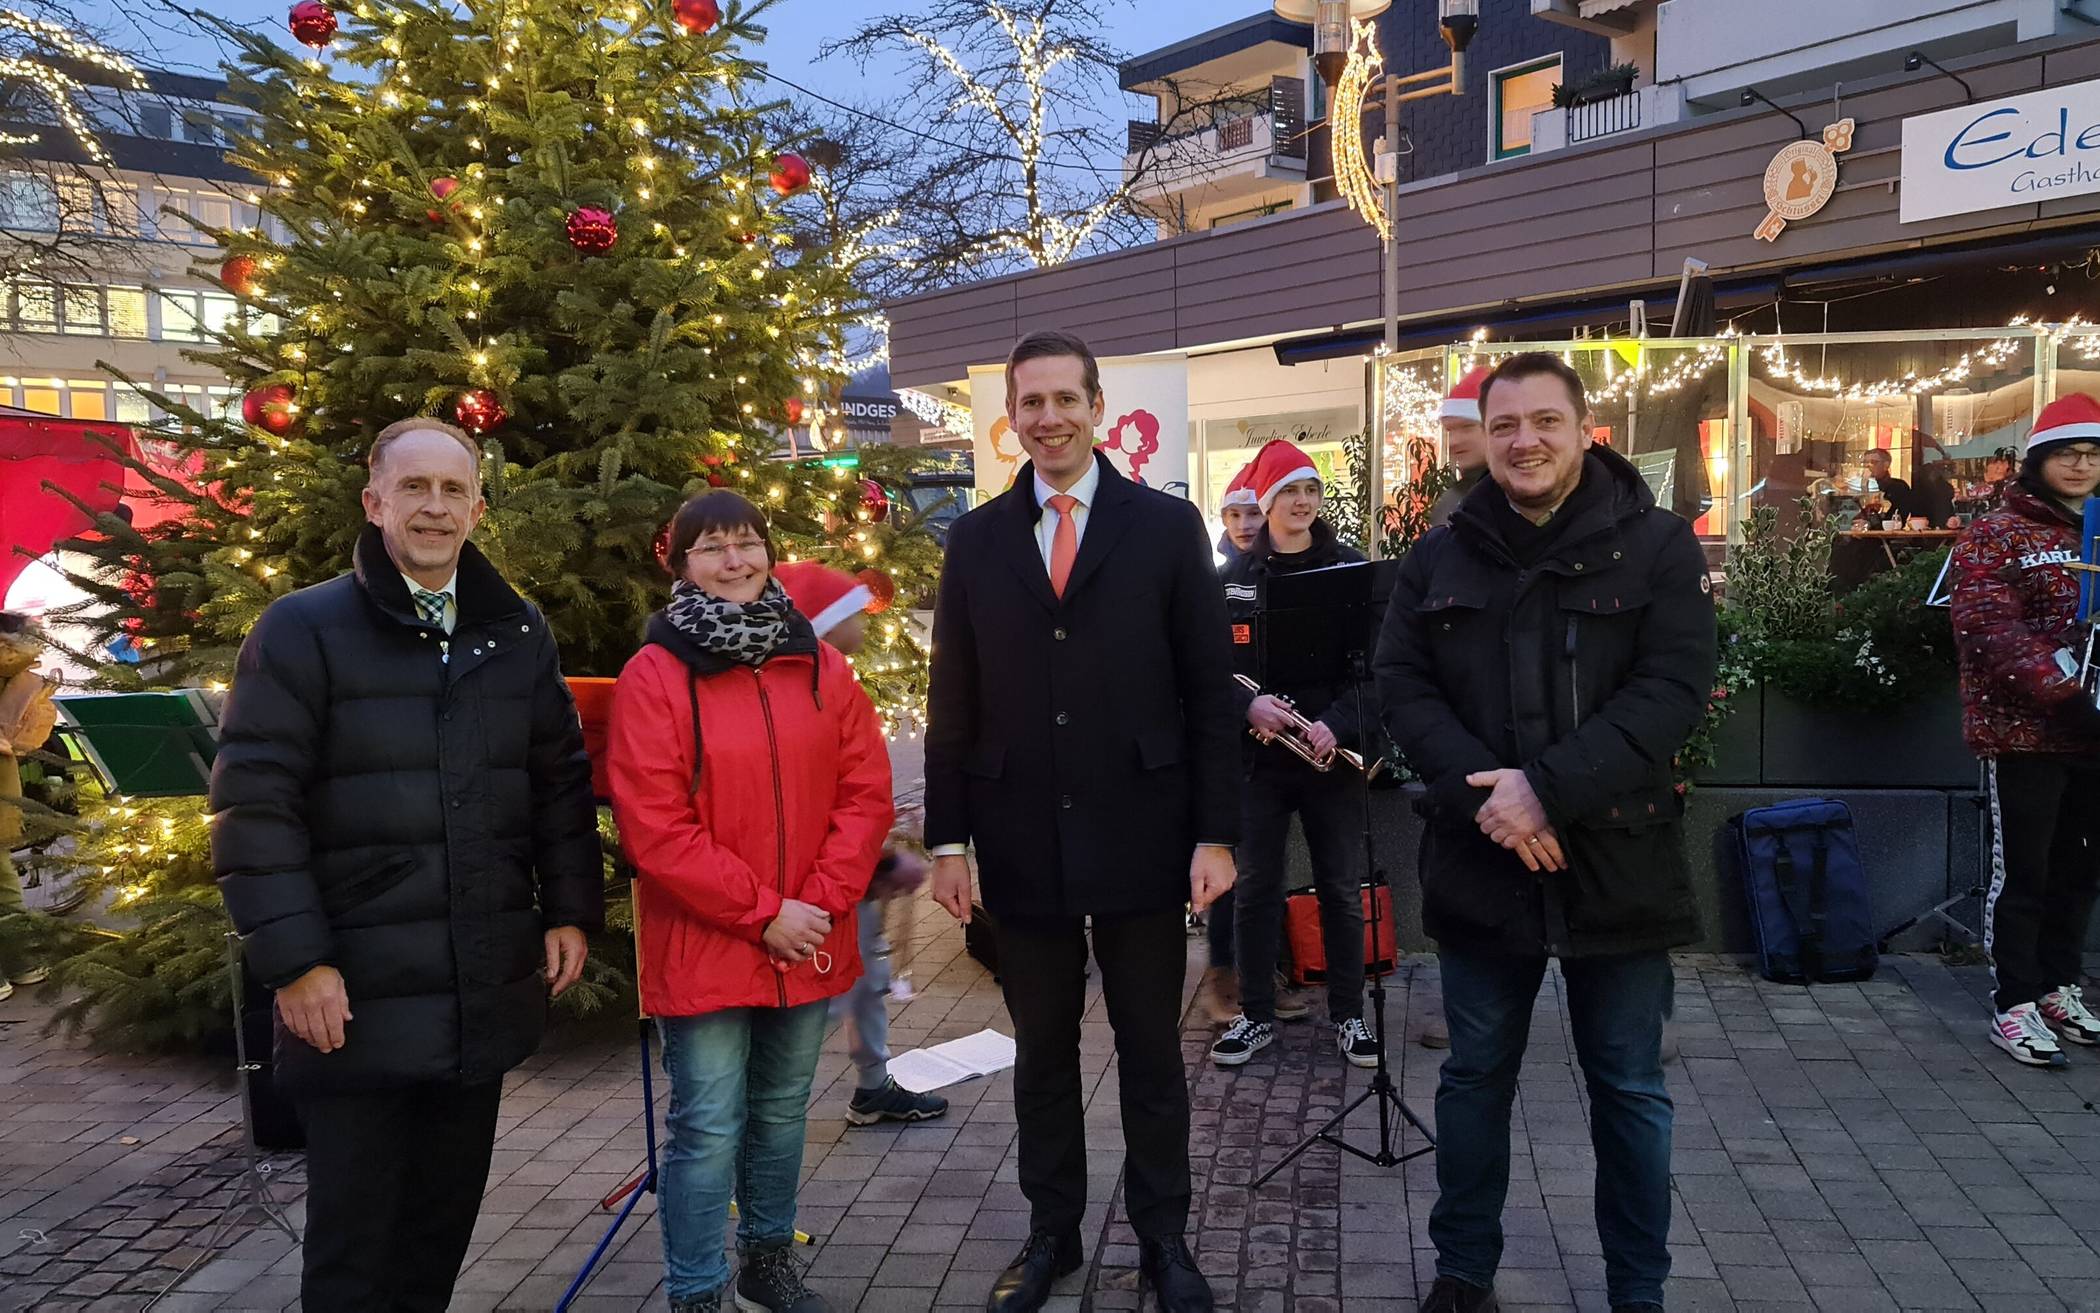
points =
(891, 1102)
(1354, 1040)
(698, 1304)
(771, 1282)
(1450, 1295)
(1241, 1041)
(1645, 1306)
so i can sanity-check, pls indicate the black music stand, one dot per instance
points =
(1318, 628)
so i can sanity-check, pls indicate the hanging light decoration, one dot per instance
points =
(1332, 22)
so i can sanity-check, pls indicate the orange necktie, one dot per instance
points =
(1064, 542)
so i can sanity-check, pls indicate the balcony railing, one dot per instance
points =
(1283, 117)
(1602, 118)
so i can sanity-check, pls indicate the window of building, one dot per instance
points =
(81, 308)
(198, 127)
(33, 307)
(157, 121)
(1245, 216)
(28, 201)
(87, 398)
(1517, 93)
(44, 400)
(127, 311)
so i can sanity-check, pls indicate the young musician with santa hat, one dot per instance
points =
(2028, 714)
(1242, 514)
(1465, 443)
(1277, 783)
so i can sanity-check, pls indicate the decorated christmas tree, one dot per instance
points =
(564, 226)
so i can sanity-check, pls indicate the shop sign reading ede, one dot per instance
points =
(2027, 148)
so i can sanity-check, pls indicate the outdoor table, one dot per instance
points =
(1888, 538)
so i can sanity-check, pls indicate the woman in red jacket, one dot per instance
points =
(752, 789)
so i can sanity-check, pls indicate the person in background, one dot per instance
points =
(1218, 995)
(1543, 658)
(752, 790)
(1933, 497)
(1892, 498)
(835, 603)
(404, 834)
(1275, 783)
(1081, 736)
(1998, 471)
(2026, 713)
(1465, 443)
(1241, 513)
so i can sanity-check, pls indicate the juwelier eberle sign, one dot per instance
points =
(2016, 151)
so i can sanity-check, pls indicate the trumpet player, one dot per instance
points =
(1277, 783)
(2028, 712)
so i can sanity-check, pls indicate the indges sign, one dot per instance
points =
(2016, 151)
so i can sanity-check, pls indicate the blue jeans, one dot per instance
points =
(739, 1106)
(867, 1004)
(1615, 1008)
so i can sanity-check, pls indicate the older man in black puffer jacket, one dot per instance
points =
(405, 837)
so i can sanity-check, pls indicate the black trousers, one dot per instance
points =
(2045, 869)
(1329, 807)
(394, 1183)
(1042, 966)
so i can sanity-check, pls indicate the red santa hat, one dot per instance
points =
(1240, 492)
(1277, 463)
(827, 596)
(2074, 417)
(1464, 401)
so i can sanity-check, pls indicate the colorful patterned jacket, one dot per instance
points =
(2016, 624)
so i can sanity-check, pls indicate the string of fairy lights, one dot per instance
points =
(60, 89)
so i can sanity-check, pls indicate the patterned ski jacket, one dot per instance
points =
(2016, 624)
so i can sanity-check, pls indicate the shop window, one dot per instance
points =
(1518, 93)
(88, 398)
(131, 408)
(44, 400)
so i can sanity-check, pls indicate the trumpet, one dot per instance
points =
(1298, 738)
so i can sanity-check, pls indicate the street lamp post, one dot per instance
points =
(1334, 45)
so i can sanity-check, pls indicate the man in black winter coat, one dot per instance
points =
(1543, 659)
(405, 837)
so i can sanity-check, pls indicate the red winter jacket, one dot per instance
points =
(2016, 623)
(793, 801)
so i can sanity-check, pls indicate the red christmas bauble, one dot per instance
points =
(591, 230)
(874, 500)
(443, 187)
(696, 15)
(882, 586)
(790, 174)
(238, 273)
(271, 408)
(312, 23)
(793, 409)
(478, 411)
(717, 481)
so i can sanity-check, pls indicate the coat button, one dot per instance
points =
(1064, 802)
(524, 629)
(455, 804)
(1063, 719)
(1058, 634)
(477, 651)
(1578, 567)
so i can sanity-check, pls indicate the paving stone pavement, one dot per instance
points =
(1856, 1148)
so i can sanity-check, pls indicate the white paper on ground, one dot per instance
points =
(954, 1062)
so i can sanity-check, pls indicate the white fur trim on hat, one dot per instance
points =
(1268, 499)
(839, 612)
(1460, 408)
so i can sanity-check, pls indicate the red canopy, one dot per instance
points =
(38, 449)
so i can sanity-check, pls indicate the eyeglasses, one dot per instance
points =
(2076, 455)
(717, 551)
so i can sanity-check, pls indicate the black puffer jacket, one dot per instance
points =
(384, 812)
(1588, 670)
(1246, 581)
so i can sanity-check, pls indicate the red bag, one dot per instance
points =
(1301, 921)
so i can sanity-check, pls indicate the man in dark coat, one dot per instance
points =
(405, 838)
(1543, 659)
(1083, 737)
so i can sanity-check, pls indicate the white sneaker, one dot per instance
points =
(37, 976)
(1241, 1041)
(2065, 1013)
(2022, 1033)
(7, 991)
(1354, 1040)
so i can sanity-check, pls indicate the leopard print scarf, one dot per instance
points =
(744, 632)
